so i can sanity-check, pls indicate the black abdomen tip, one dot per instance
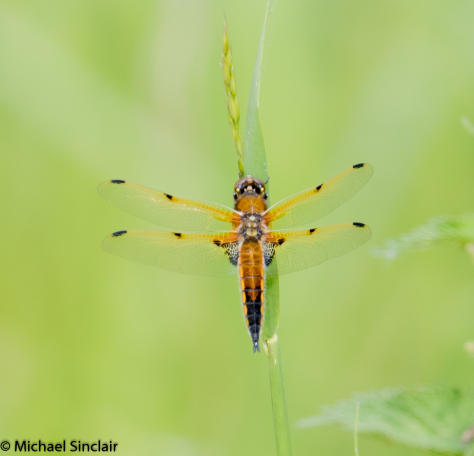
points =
(119, 233)
(359, 165)
(361, 225)
(117, 181)
(254, 330)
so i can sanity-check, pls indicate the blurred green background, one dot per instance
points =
(93, 346)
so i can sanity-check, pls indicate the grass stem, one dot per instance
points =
(277, 390)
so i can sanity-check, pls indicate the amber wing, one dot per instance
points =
(302, 249)
(174, 212)
(199, 254)
(314, 203)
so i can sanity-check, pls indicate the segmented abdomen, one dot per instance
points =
(252, 283)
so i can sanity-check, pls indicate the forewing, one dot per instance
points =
(297, 250)
(198, 254)
(166, 210)
(314, 203)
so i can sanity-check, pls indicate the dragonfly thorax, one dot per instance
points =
(252, 225)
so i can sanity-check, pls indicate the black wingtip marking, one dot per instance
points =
(319, 187)
(312, 230)
(359, 165)
(119, 233)
(168, 196)
(281, 241)
(361, 225)
(217, 242)
(178, 235)
(117, 181)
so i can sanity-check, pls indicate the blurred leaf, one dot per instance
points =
(255, 161)
(468, 125)
(441, 228)
(432, 418)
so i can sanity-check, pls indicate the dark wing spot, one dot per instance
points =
(269, 252)
(217, 242)
(359, 165)
(178, 235)
(361, 225)
(168, 196)
(232, 251)
(319, 187)
(312, 230)
(281, 241)
(119, 233)
(117, 181)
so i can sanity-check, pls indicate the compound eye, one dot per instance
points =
(235, 195)
(265, 195)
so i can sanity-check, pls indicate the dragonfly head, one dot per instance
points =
(249, 186)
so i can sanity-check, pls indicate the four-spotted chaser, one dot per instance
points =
(215, 240)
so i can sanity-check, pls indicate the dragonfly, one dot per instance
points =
(210, 239)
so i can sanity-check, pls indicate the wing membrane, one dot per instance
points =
(165, 210)
(198, 254)
(314, 203)
(297, 250)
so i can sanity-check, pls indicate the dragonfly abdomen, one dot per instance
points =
(252, 281)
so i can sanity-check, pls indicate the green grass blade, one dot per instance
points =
(254, 149)
(272, 298)
(255, 164)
